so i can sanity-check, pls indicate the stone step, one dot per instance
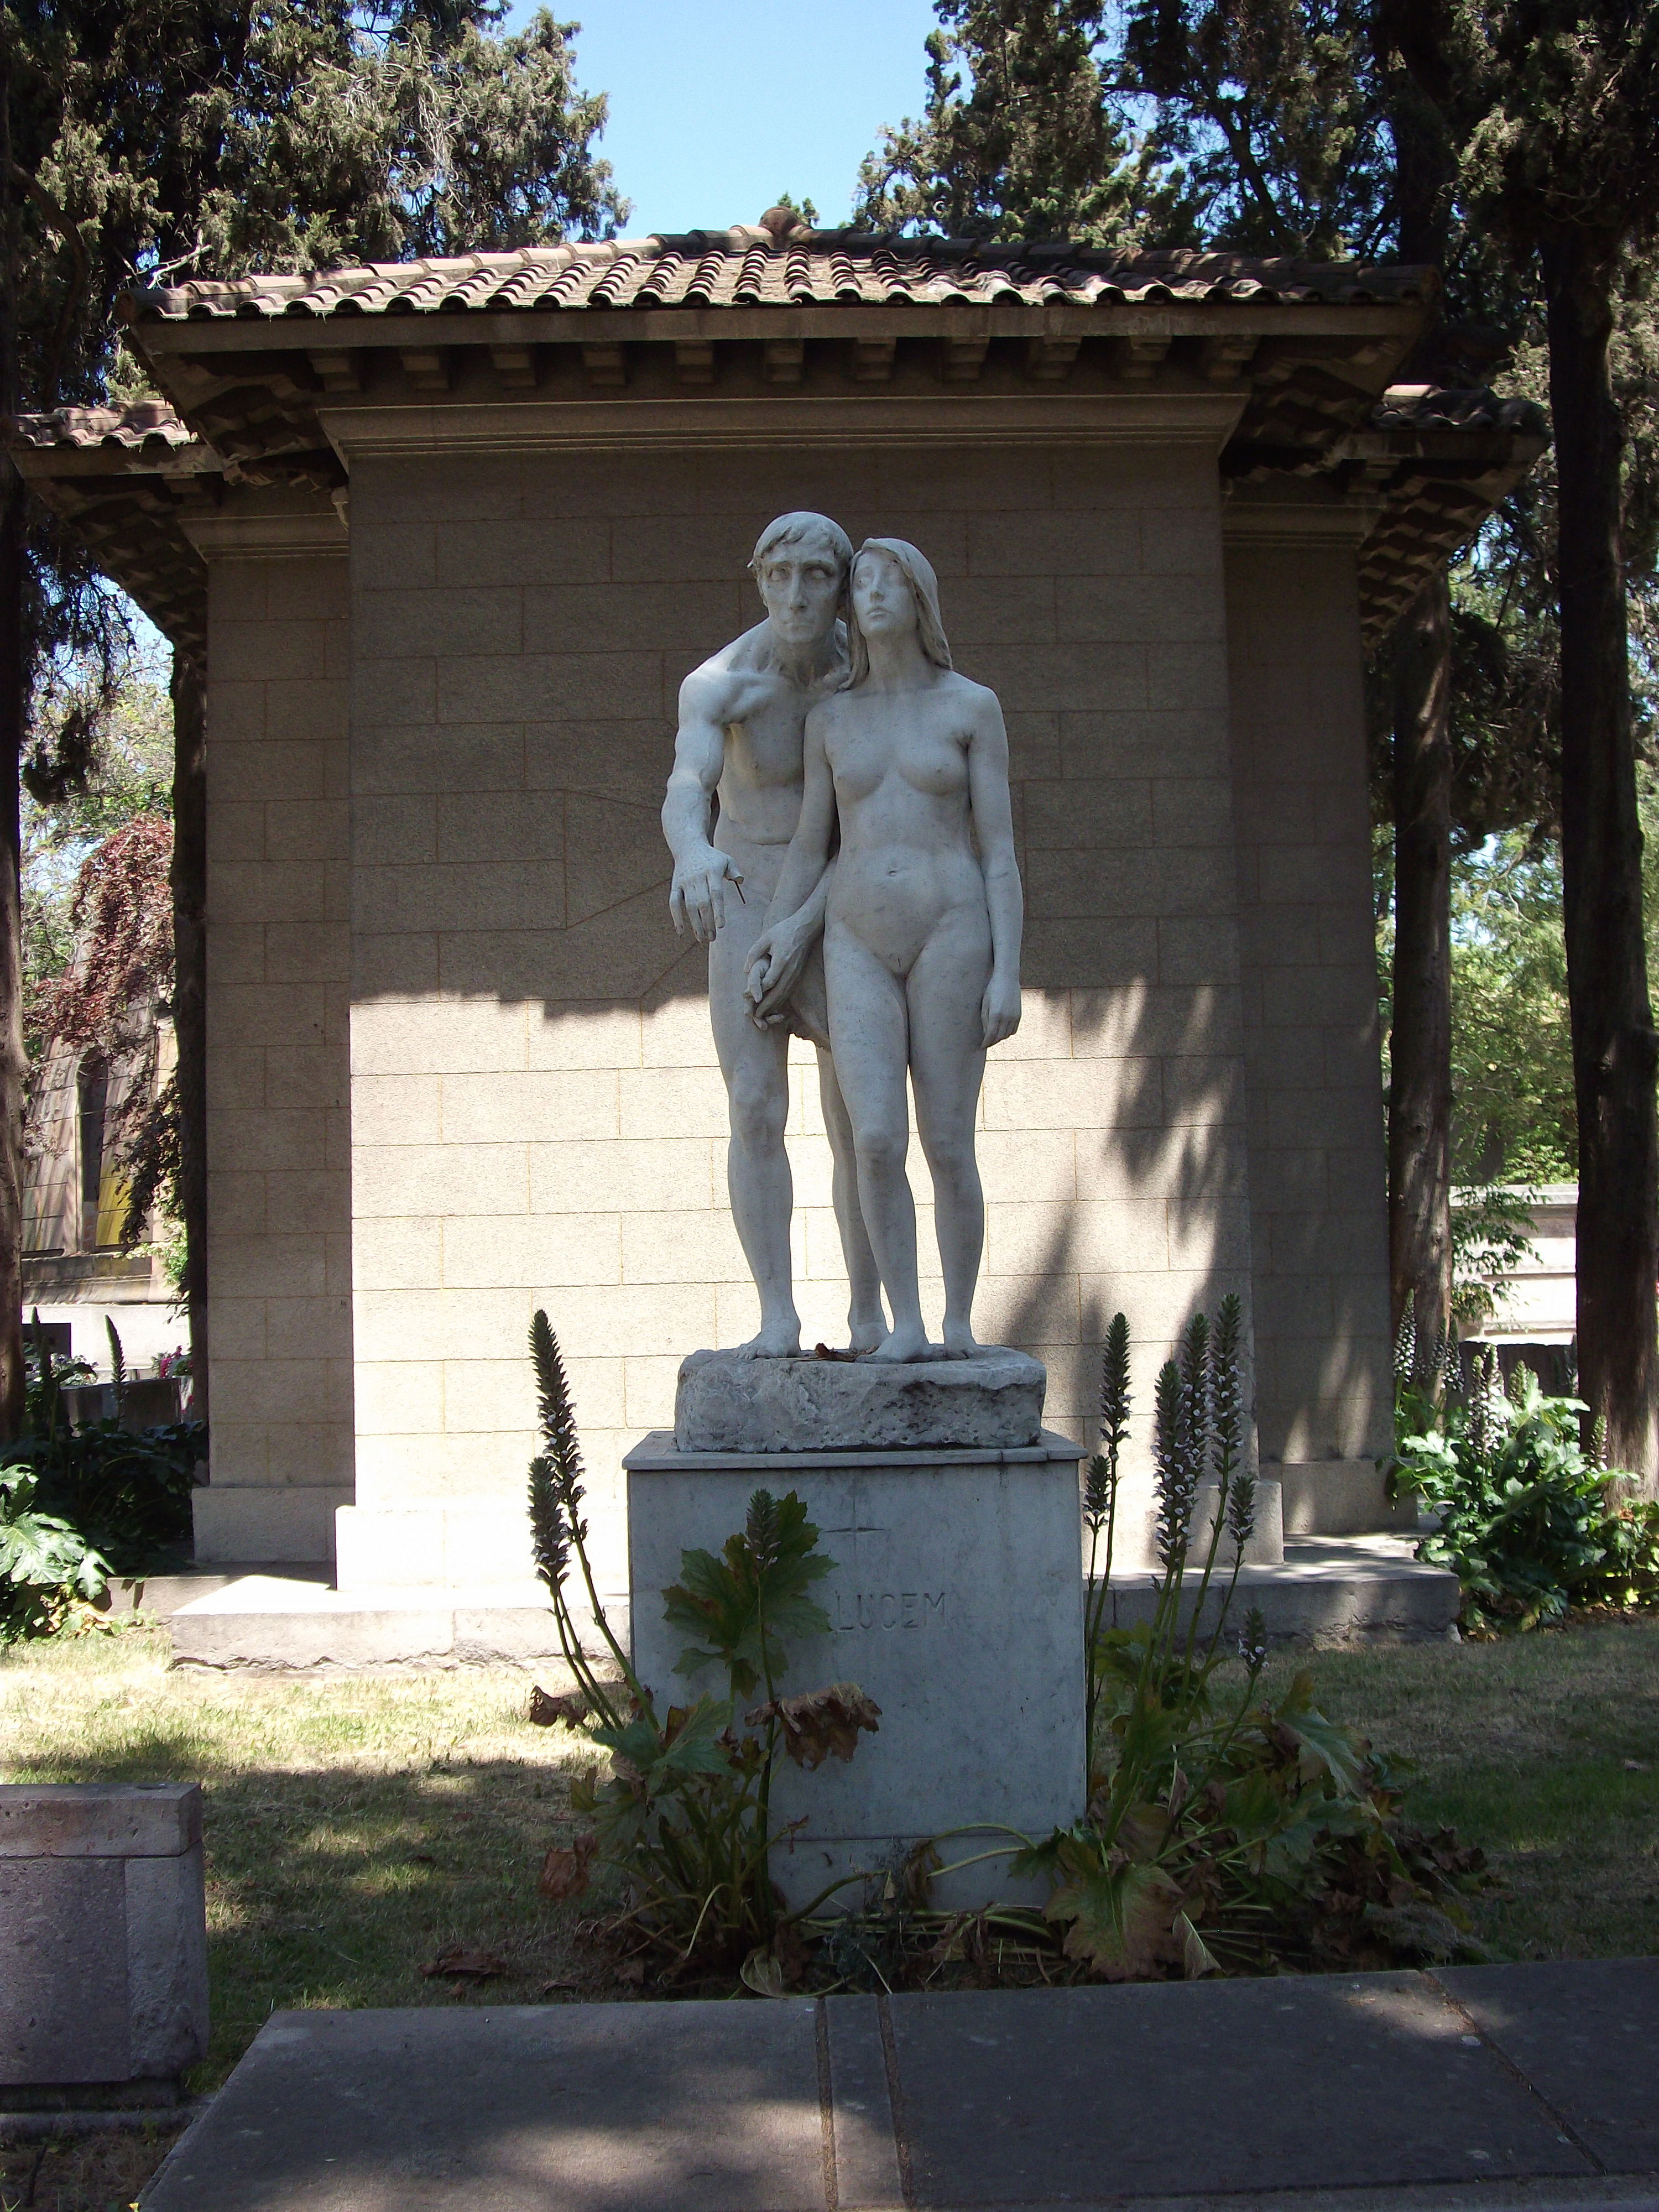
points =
(1327, 1590)
(160, 1596)
(279, 1624)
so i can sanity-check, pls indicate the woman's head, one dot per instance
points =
(896, 584)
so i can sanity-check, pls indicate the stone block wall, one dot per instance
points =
(537, 1113)
(1318, 1220)
(278, 976)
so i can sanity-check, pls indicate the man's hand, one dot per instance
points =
(776, 959)
(999, 1009)
(696, 899)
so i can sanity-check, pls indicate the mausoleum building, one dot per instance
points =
(445, 536)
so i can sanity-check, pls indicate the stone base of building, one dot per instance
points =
(277, 1522)
(277, 1624)
(954, 1603)
(1338, 1497)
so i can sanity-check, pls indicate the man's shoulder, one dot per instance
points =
(748, 655)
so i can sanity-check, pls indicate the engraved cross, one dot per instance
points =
(852, 1527)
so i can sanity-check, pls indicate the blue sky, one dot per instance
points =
(718, 105)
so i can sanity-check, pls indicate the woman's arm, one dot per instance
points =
(796, 913)
(993, 834)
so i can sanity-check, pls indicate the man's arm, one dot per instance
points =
(796, 913)
(696, 900)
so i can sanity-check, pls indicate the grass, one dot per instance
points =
(91, 2173)
(1544, 1749)
(355, 1826)
(358, 1826)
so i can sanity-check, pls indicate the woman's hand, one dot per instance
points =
(999, 1009)
(776, 960)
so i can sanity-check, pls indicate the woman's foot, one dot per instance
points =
(906, 1344)
(864, 1337)
(776, 1339)
(960, 1342)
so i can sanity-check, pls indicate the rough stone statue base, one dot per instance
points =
(956, 1603)
(729, 1404)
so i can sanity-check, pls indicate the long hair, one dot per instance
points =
(917, 571)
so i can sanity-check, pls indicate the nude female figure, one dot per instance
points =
(921, 930)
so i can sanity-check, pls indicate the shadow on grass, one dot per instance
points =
(336, 1886)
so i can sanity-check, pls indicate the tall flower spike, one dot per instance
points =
(1100, 1478)
(1405, 1347)
(1227, 1413)
(556, 1483)
(1196, 1394)
(1171, 1452)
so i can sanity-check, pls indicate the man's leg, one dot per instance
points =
(755, 1064)
(866, 1322)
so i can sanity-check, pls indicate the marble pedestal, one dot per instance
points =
(956, 1603)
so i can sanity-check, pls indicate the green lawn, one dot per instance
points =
(356, 1826)
(1544, 1749)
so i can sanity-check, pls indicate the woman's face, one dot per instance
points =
(883, 605)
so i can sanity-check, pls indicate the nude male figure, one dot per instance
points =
(742, 718)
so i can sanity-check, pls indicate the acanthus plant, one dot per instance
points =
(684, 1818)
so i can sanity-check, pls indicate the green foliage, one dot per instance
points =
(1492, 1236)
(738, 1608)
(684, 1816)
(1019, 138)
(1224, 1831)
(117, 724)
(128, 1495)
(1512, 1092)
(149, 141)
(1527, 1521)
(46, 1565)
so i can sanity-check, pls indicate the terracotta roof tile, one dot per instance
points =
(745, 267)
(148, 422)
(1429, 407)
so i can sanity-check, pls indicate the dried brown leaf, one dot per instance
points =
(566, 1872)
(818, 1722)
(466, 1965)
(545, 1709)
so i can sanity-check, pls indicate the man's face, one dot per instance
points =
(801, 586)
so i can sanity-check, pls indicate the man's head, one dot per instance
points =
(800, 563)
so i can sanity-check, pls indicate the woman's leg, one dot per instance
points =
(865, 1321)
(947, 1064)
(867, 1035)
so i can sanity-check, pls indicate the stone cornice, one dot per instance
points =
(1196, 418)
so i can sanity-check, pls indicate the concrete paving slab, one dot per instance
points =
(1348, 2080)
(1585, 2034)
(1377, 2093)
(694, 2107)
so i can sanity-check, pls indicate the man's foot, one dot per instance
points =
(903, 1345)
(866, 1336)
(960, 1342)
(777, 1340)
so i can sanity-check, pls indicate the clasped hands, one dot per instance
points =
(781, 952)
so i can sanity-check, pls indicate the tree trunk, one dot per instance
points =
(1420, 1087)
(13, 1063)
(1614, 1050)
(189, 998)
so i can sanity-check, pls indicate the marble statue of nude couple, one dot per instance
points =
(857, 886)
